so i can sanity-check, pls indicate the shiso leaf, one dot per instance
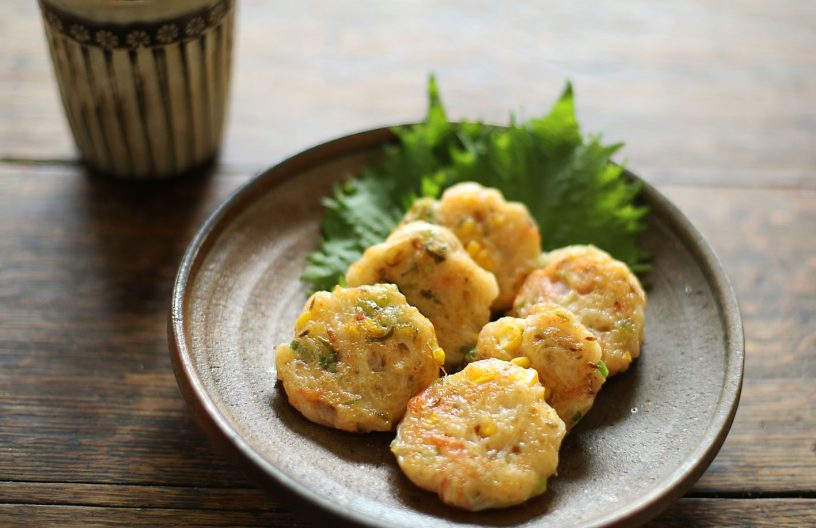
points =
(568, 181)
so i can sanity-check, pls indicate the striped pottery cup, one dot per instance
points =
(143, 82)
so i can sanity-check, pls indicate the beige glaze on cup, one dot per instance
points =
(144, 84)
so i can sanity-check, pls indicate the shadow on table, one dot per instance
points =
(96, 371)
(137, 232)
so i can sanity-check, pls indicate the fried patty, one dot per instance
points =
(602, 292)
(481, 438)
(437, 276)
(358, 356)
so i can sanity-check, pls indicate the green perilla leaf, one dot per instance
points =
(576, 194)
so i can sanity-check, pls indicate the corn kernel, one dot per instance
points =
(373, 328)
(498, 219)
(406, 332)
(467, 228)
(479, 375)
(473, 248)
(530, 377)
(523, 361)
(628, 357)
(487, 427)
(302, 320)
(484, 259)
(439, 355)
(509, 337)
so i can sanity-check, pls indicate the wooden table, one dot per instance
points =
(717, 104)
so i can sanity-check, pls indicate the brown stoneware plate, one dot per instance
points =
(650, 435)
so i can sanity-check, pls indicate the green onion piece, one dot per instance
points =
(602, 369)
(329, 360)
(468, 352)
(541, 487)
(383, 300)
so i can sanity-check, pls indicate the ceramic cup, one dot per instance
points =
(143, 82)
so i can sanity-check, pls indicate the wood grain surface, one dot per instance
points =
(715, 100)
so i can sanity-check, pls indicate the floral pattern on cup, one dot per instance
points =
(217, 13)
(79, 33)
(134, 36)
(195, 27)
(106, 39)
(54, 20)
(167, 34)
(138, 39)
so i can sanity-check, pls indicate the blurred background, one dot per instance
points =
(692, 87)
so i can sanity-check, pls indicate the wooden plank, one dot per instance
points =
(678, 81)
(700, 513)
(757, 513)
(771, 447)
(87, 391)
(13, 515)
(761, 237)
(765, 239)
(129, 496)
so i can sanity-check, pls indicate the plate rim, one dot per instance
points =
(217, 427)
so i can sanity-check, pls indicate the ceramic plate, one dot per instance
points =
(650, 435)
